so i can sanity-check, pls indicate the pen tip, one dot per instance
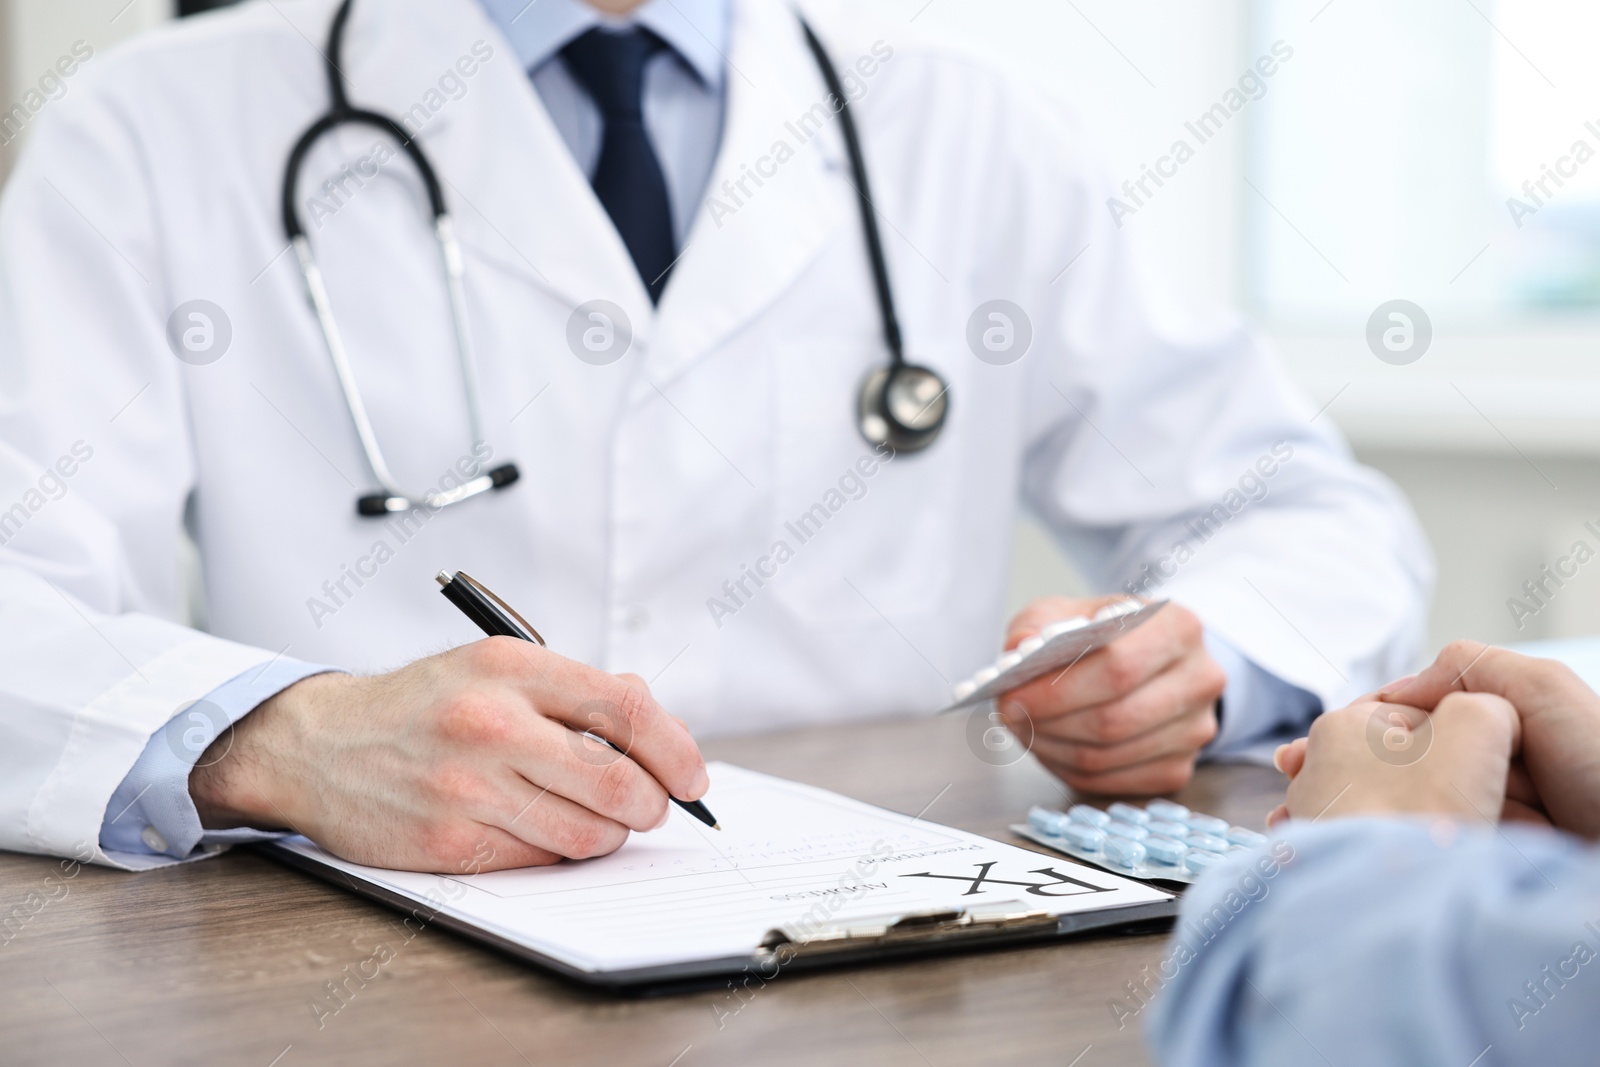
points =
(716, 826)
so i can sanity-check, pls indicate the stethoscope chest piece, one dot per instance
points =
(904, 407)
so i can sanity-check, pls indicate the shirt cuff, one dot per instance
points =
(151, 813)
(1258, 710)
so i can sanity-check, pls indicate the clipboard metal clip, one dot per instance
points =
(934, 926)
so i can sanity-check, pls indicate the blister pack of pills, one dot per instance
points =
(1057, 646)
(1162, 840)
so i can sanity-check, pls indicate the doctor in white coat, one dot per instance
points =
(700, 527)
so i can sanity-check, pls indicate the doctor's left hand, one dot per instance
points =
(1128, 718)
(467, 761)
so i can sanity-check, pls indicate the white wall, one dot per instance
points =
(34, 34)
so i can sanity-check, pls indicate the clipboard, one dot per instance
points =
(808, 879)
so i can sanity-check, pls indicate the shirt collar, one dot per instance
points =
(696, 29)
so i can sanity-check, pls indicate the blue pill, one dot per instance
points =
(1207, 842)
(1127, 831)
(1197, 861)
(1166, 809)
(1129, 813)
(1047, 821)
(1085, 837)
(1088, 816)
(1238, 835)
(1169, 829)
(1165, 850)
(1124, 853)
(1207, 824)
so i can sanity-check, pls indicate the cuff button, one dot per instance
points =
(153, 839)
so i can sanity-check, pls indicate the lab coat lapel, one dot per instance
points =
(518, 197)
(774, 199)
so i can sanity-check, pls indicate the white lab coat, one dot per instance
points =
(647, 483)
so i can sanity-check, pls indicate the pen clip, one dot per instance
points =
(511, 612)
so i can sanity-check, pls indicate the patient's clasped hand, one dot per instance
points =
(1481, 734)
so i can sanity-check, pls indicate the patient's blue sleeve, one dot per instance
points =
(1384, 942)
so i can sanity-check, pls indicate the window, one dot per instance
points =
(1441, 151)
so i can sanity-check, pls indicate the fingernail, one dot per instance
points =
(1397, 685)
(665, 815)
(701, 783)
(1277, 756)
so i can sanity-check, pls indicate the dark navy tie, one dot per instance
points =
(628, 180)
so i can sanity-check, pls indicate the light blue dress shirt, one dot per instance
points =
(1258, 710)
(1384, 942)
(684, 108)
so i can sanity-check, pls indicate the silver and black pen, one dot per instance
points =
(497, 619)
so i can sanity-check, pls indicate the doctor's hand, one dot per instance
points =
(1128, 718)
(1338, 771)
(1558, 775)
(467, 761)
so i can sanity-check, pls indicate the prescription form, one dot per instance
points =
(788, 856)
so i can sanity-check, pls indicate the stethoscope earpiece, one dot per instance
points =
(903, 407)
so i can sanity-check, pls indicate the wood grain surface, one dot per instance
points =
(220, 962)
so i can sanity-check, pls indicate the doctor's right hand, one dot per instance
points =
(474, 758)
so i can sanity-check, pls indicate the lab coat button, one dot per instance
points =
(153, 839)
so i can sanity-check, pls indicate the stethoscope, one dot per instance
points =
(902, 406)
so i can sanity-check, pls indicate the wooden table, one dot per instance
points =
(217, 963)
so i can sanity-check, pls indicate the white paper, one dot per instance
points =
(786, 854)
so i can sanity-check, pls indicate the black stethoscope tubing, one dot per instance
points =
(340, 113)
